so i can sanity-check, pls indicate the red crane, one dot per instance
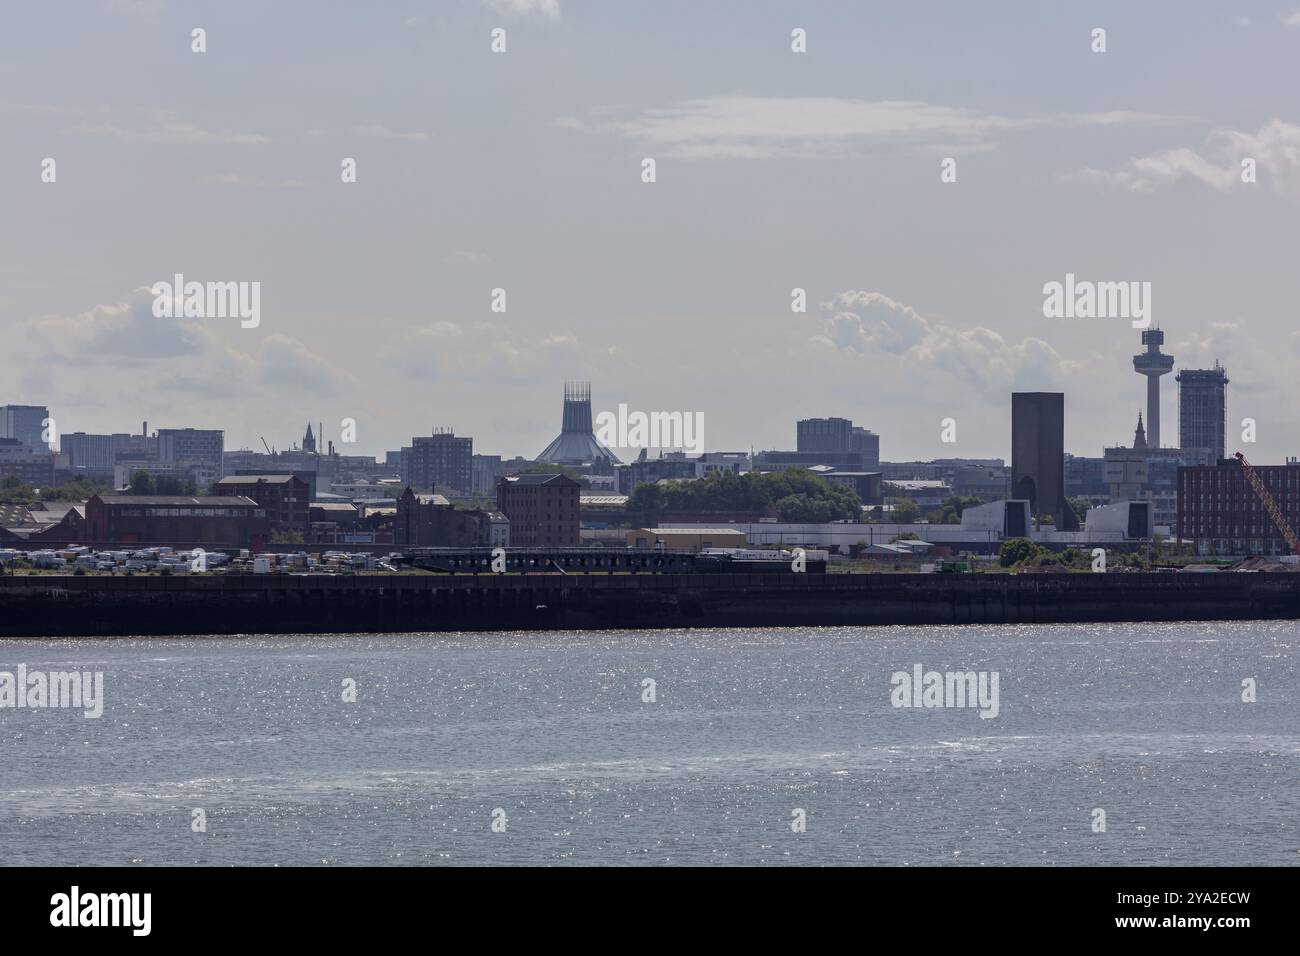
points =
(1269, 504)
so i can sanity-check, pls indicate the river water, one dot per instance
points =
(778, 746)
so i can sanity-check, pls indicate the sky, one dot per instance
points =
(523, 170)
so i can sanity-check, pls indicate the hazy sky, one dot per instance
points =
(522, 170)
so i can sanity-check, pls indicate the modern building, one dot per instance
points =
(838, 435)
(285, 498)
(1153, 364)
(94, 456)
(198, 449)
(25, 424)
(486, 469)
(441, 461)
(674, 466)
(175, 521)
(1220, 513)
(1132, 519)
(1202, 408)
(1084, 478)
(837, 460)
(1038, 456)
(543, 509)
(32, 465)
(577, 445)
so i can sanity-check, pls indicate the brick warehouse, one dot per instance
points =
(1220, 512)
(286, 498)
(177, 521)
(543, 510)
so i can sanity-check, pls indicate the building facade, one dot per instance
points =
(1202, 408)
(286, 499)
(198, 450)
(543, 510)
(1220, 513)
(25, 424)
(441, 461)
(1038, 456)
(429, 521)
(176, 521)
(31, 465)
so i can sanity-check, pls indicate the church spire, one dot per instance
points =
(309, 440)
(1140, 436)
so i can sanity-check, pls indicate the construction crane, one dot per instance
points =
(267, 447)
(1269, 504)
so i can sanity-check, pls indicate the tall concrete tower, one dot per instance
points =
(1153, 363)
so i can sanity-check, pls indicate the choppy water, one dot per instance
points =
(1143, 721)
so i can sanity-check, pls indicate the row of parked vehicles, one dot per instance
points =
(171, 561)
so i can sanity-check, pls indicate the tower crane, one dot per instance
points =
(1269, 504)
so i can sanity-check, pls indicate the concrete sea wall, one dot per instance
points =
(67, 605)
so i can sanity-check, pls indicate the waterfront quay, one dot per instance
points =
(86, 605)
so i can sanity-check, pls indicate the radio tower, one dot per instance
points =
(1153, 363)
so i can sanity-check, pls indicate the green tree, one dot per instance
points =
(1016, 550)
(141, 484)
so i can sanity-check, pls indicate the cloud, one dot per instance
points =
(494, 353)
(549, 9)
(167, 130)
(286, 363)
(117, 334)
(1291, 19)
(383, 132)
(1275, 148)
(878, 327)
(755, 127)
(183, 356)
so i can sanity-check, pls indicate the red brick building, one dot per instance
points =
(1220, 512)
(543, 510)
(285, 498)
(431, 521)
(177, 521)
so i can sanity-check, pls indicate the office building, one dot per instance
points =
(25, 424)
(1202, 408)
(441, 462)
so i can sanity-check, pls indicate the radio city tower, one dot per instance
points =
(1153, 363)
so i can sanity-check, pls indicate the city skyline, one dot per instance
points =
(776, 171)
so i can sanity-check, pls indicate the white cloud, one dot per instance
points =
(1291, 19)
(754, 127)
(878, 327)
(550, 9)
(1275, 148)
(383, 132)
